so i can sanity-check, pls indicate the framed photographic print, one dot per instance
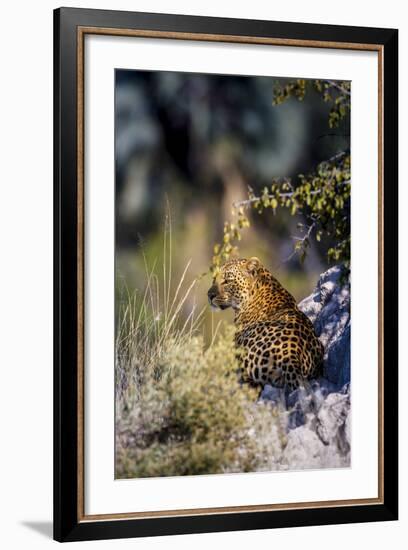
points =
(225, 274)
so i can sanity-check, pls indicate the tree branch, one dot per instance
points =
(248, 202)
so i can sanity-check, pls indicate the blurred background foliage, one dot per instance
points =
(190, 145)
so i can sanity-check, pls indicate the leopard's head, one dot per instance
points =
(233, 283)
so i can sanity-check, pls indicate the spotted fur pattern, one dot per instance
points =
(278, 341)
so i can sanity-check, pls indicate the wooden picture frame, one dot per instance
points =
(70, 520)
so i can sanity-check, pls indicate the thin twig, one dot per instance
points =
(336, 156)
(338, 87)
(307, 234)
(301, 240)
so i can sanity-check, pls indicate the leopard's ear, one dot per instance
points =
(253, 265)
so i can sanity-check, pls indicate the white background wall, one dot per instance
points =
(26, 270)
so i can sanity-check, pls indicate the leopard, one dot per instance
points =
(277, 341)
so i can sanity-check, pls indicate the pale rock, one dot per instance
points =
(318, 420)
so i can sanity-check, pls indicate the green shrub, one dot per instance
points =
(321, 198)
(194, 418)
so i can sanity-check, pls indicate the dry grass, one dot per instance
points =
(179, 407)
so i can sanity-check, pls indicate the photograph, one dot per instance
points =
(232, 274)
